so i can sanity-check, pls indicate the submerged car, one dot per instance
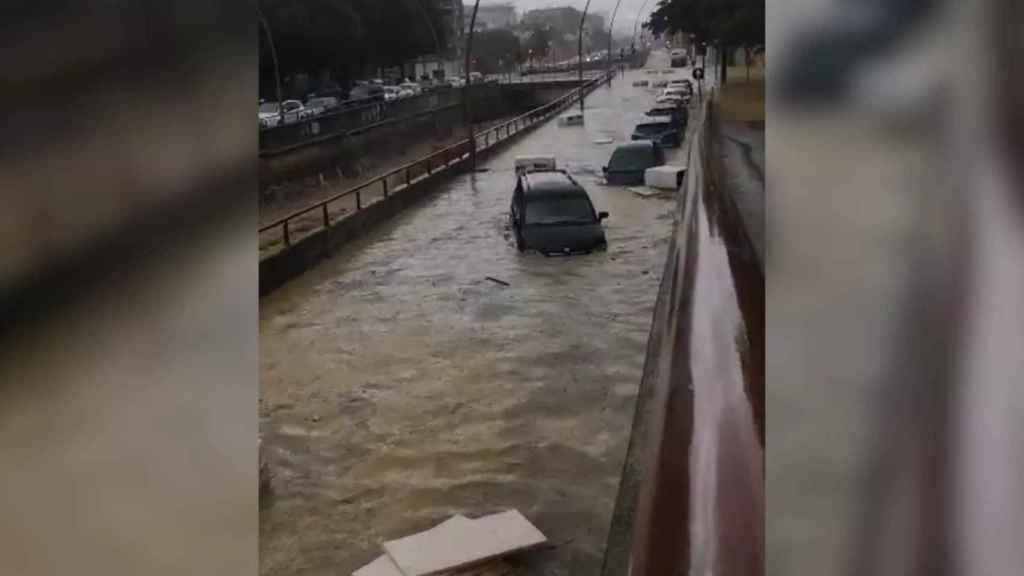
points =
(680, 115)
(552, 213)
(629, 162)
(663, 130)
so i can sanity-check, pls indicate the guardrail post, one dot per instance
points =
(327, 219)
(287, 238)
(407, 180)
(359, 200)
(384, 183)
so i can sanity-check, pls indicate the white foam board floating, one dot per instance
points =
(644, 192)
(664, 177)
(459, 542)
(534, 163)
(571, 119)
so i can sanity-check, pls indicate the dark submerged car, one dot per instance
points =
(552, 214)
(629, 161)
(680, 115)
(663, 130)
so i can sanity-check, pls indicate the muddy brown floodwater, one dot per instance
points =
(400, 386)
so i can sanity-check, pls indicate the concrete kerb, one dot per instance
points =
(306, 251)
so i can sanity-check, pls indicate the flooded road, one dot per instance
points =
(401, 386)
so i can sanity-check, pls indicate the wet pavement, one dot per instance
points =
(743, 156)
(401, 386)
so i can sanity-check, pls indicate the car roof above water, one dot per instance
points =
(656, 120)
(550, 182)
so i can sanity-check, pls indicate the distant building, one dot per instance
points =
(490, 17)
(451, 11)
(565, 19)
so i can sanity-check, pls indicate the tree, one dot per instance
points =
(347, 37)
(538, 43)
(726, 23)
(495, 50)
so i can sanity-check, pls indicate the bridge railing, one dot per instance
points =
(283, 232)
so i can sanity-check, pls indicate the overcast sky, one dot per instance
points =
(624, 21)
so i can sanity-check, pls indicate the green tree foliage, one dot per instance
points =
(495, 50)
(726, 23)
(348, 37)
(538, 43)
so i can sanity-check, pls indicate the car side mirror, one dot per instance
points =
(601, 216)
(604, 169)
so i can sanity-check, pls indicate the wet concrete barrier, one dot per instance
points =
(691, 498)
(302, 253)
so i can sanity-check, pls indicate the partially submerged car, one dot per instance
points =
(629, 161)
(551, 212)
(680, 115)
(663, 130)
(673, 100)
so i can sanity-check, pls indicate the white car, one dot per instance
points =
(391, 93)
(671, 100)
(404, 93)
(683, 93)
(291, 111)
(684, 84)
(412, 87)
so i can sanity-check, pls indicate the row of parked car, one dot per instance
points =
(552, 213)
(364, 92)
(664, 127)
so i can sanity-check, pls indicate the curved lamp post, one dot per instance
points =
(465, 88)
(611, 33)
(583, 19)
(277, 71)
(636, 21)
(433, 32)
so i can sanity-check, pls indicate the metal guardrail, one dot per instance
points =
(406, 175)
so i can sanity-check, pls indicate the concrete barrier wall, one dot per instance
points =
(691, 500)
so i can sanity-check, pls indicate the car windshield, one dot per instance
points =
(632, 158)
(654, 128)
(268, 108)
(559, 209)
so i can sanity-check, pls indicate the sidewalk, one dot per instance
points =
(741, 128)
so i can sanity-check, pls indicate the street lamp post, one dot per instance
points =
(611, 32)
(465, 88)
(583, 19)
(433, 32)
(277, 71)
(636, 25)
